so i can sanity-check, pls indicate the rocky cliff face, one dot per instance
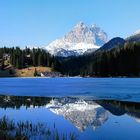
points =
(79, 40)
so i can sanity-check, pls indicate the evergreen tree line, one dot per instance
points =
(21, 58)
(120, 61)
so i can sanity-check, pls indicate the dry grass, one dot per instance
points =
(10, 71)
(29, 72)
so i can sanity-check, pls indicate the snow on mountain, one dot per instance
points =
(135, 37)
(82, 114)
(100, 35)
(79, 40)
(137, 32)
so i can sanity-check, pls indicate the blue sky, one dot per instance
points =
(38, 22)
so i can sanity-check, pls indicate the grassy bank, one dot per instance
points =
(10, 71)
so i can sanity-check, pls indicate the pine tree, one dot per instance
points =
(35, 73)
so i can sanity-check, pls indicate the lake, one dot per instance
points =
(70, 108)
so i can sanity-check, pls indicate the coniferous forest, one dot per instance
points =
(122, 60)
(21, 58)
(119, 61)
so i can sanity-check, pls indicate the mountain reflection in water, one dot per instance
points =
(81, 113)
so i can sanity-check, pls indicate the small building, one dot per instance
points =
(51, 74)
(6, 56)
(28, 56)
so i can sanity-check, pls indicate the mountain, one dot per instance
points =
(82, 114)
(119, 61)
(79, 40)
(135, 37)
(115, 42)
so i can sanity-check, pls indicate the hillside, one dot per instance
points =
(123, 60)
(10, 71)
(16, 62)
(29, 72)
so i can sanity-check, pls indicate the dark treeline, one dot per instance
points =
(21, 58)
(19, 101)
(120, 61)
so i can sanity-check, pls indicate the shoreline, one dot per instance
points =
(66, 77)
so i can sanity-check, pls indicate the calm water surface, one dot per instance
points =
(87, 109)
(112, 88)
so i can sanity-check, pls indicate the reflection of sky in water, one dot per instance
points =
(111, 126)
(88, 120)
(41, 114)
(116, 88)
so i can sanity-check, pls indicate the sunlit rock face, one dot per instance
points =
(80, 113)
(80, 40)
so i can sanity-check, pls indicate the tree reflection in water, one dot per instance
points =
(10, 130)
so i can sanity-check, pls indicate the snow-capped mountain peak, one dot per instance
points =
(79, 40)
(80, 25)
